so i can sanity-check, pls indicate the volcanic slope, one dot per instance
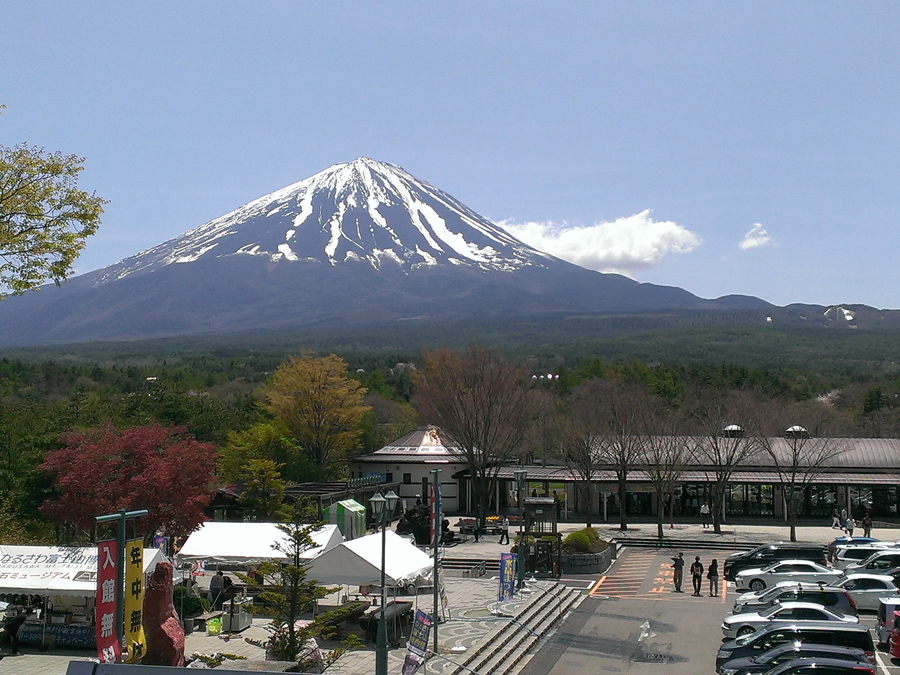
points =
(360, 244)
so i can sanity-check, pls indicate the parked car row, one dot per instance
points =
(796, 615)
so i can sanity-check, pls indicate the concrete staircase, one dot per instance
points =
(507, 646)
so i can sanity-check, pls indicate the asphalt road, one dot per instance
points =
(634, 623)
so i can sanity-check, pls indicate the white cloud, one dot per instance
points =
(757, 236)
(623, 246)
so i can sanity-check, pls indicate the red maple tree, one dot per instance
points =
(161, 469)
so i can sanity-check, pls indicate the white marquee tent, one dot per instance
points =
(358, 562)
(56, 570)
(248, 543)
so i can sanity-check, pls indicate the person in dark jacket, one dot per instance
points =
(12, 625)
(712, 573)
(697, 574)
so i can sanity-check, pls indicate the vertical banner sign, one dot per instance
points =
(417, 646)
(444, 602)
(434, 499)
(108, 649)
(134, 600)
(507, 576)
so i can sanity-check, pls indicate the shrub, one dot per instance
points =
(577, 542)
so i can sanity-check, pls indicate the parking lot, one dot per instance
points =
(633, 622)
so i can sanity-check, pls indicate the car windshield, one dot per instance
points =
(771, 593)
(747, 638)
(769, 611)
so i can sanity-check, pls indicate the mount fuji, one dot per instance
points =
(362, 243)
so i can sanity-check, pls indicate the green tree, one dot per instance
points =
(321, 406)
(289, 594)
(267, 440)
(44, 217)
(263, 490)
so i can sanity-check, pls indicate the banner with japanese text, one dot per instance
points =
(135, 642)
(108, 649)
(417, 645)
(507, 576)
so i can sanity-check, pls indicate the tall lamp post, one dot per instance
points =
(382, 507)
(520, 475)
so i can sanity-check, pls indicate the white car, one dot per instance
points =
(785, 570)
(865, 589)
(738, 625)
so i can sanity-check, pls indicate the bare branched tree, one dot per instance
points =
(615, 412)
(582, 457)
(665, 454)
(482, 400)
(721, 445)
(798, 457)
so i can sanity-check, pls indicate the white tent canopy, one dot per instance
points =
(358, 562)
(249, 543)
(56, 570)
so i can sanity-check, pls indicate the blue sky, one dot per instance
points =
(721, 147)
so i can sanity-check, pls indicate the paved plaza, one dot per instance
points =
(474, 612)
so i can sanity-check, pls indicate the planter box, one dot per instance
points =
(586, 563)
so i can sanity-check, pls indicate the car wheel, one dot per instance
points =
(757, 585)
(745, 630)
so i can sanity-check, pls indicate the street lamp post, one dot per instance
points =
(520, 475)
(382, 507)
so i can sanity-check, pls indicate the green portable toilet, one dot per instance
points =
(350, 517)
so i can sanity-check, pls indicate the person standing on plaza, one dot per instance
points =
(678, 567)
(216, 586)
(843, 519)
(697, 575)
(504, 531)
(704, 514)
(713, 575)
(835, 519)
(850, 524)
(867, 525)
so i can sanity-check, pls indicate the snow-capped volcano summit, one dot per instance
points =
(358, 245)
(361, 212)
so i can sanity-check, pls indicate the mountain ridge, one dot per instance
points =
(360, 243)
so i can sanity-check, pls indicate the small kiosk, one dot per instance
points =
(543, 544)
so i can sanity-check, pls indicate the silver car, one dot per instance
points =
(738, 625)
(865, 589)
(784, 570)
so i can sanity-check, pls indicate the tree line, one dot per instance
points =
(303, 419)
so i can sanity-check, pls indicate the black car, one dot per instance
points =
(766, 554)
(854, 635)
(822, 667)
(789, 652)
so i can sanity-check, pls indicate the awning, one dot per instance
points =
(56, 570)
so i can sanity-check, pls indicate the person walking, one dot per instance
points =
(867, 525)
(835, 519)
(504, 531)
(850, 524)
(216, 586)
(704, 514)
(678, 567)
(713, 575)
(697, 575)
(843, 519)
